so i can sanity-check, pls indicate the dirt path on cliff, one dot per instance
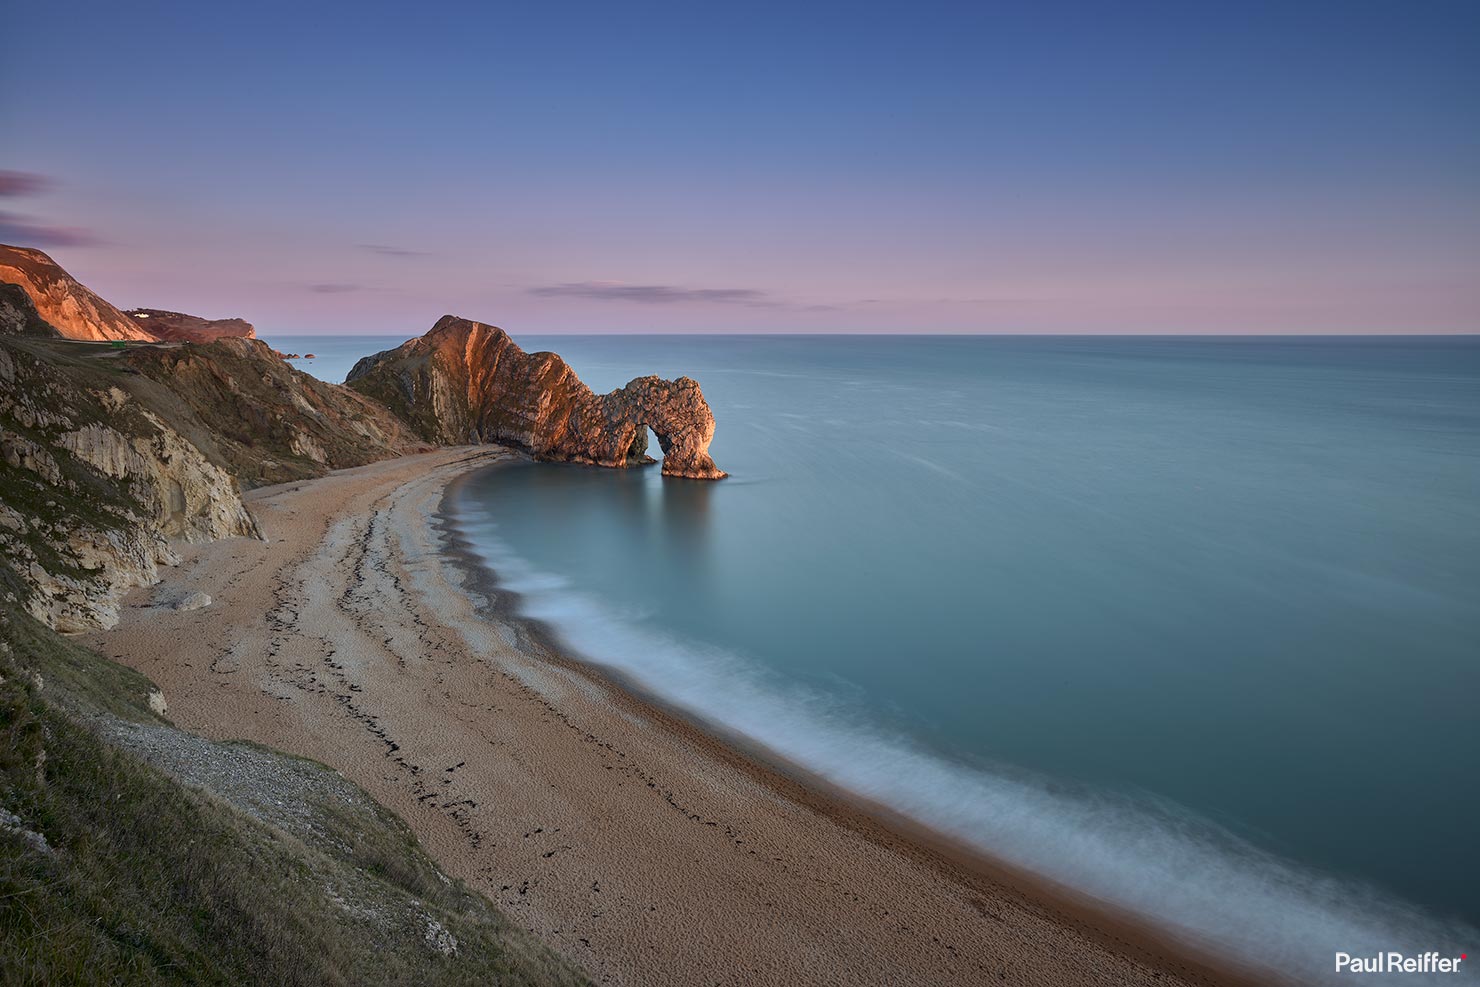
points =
(626, 840)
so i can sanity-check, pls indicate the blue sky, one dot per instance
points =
(1089, 167)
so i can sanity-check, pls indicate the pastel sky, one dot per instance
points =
(936, 167)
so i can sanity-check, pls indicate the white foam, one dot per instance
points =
(1153, 858)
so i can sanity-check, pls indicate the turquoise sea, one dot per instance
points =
(1190, 624)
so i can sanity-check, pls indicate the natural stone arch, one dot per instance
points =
(678, 415)
(468, 382)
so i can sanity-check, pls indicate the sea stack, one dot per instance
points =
(466, 382)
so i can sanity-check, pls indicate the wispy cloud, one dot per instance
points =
(656, 294)
(13, 183)
(334, 287)
(386, 250)
(26, 232)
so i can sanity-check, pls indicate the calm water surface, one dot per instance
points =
(1193, 624)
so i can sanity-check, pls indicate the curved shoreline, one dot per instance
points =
(953, 858)
(642, 847)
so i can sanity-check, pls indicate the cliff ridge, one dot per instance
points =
(179, 327)
(62, 301)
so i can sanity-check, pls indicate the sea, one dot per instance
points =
(1188, 624)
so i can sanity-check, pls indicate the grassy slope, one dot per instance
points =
(152, 881)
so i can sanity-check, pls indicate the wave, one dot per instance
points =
(1145, 855)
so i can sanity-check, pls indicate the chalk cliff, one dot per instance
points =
(179, 327)
(68, 306)
(469, 382)
(108, 457)
(94, 485)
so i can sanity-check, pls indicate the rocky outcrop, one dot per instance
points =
(69, 307)
(181, 328)
(94, 487)
(469, 382)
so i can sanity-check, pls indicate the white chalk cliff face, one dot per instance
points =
(94, 488)
(469, 382)
(74, 311)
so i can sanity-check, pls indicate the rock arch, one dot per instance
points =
(469, 382)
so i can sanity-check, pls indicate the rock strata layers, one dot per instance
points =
(93, 488)
(465, 381)
(107, 458)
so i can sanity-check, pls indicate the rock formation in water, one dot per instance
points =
(466, 382)
(182, 328)
(108, 456)
(64, 303)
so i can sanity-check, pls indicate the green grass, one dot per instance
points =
(151, 881)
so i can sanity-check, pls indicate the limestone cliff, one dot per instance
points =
(94, 486)
(469, 382)
(182, 328)
(108, 456)
(64, 303)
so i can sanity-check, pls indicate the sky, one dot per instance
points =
(360, 167)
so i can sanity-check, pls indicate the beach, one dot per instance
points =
(359, 634)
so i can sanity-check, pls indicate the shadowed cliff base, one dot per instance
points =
(465, 381)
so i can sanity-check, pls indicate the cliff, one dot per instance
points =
(182, 328)
(469, 382)
(18, 315)
(94, 485)
(108, 457)
(64, 303)
(263, 419)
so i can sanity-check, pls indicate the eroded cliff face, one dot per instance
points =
(469, 382)
(182, 328)
(94, 486)
(64, 303)
(108, 458)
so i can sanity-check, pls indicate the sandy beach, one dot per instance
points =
(630, 841)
